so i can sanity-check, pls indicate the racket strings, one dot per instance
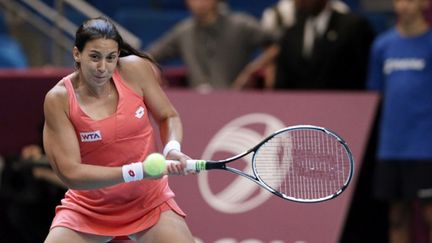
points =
(303, 164)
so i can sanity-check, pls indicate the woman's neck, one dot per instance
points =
(87, 89)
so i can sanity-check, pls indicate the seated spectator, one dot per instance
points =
(29, 192)
(215, 44)
(33, 155)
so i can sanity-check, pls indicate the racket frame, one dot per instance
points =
(198, 165)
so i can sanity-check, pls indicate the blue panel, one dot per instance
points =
(11, 54)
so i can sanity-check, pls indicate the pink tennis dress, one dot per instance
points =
(124, 137)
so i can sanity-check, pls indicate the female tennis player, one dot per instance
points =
(97, 133)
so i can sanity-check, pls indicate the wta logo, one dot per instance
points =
(239, 194)
(90, 136)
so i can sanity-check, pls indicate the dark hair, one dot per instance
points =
(101, 27)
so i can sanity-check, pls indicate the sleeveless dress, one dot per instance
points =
(124, 137)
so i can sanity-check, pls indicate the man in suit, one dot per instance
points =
(324, 49)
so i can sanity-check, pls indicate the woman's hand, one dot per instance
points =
(179, 167)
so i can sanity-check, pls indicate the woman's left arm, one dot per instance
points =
(144, 76)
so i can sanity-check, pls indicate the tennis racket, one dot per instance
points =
(299, 163)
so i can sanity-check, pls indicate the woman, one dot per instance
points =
(97, 132)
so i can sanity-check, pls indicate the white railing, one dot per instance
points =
(52, 21)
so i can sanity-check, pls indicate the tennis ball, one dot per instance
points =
(154, 164)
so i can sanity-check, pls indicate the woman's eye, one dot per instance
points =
(111, 58)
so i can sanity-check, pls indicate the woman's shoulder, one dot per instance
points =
(133, 61)
(133, 65)
(58, 90)
(58, 93)
(55, 101)
(134, 69)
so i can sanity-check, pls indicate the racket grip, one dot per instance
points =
(192, 165)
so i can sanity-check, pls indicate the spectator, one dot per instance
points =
(29, 191)
(33, 155)
(401, 69)
(325, 48)
(281, 15)
(215, 44)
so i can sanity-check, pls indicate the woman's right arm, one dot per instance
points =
(62, 147)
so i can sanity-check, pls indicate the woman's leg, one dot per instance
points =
(62, 234)
(171, 227)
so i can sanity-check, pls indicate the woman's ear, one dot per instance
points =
(76, 54)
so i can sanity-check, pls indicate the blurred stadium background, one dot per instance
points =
(39, 33)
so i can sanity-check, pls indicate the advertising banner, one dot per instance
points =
(227, 208)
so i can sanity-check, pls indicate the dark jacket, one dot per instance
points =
(339, 58)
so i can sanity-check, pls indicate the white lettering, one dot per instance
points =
(403, 64)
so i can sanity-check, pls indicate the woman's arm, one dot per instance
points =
(144, 75)
(62, 148)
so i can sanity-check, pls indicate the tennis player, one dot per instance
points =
(97, 132)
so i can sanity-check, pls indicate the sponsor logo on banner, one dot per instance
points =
(239, 135)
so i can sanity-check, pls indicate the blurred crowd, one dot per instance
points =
(220, 46)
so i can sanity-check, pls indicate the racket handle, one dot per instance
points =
(192, 165)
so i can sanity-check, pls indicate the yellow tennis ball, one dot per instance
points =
(154, 164)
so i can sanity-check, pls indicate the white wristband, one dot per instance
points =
(171, 145)
(133, 172)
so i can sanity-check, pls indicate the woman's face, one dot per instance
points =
(97, 61)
